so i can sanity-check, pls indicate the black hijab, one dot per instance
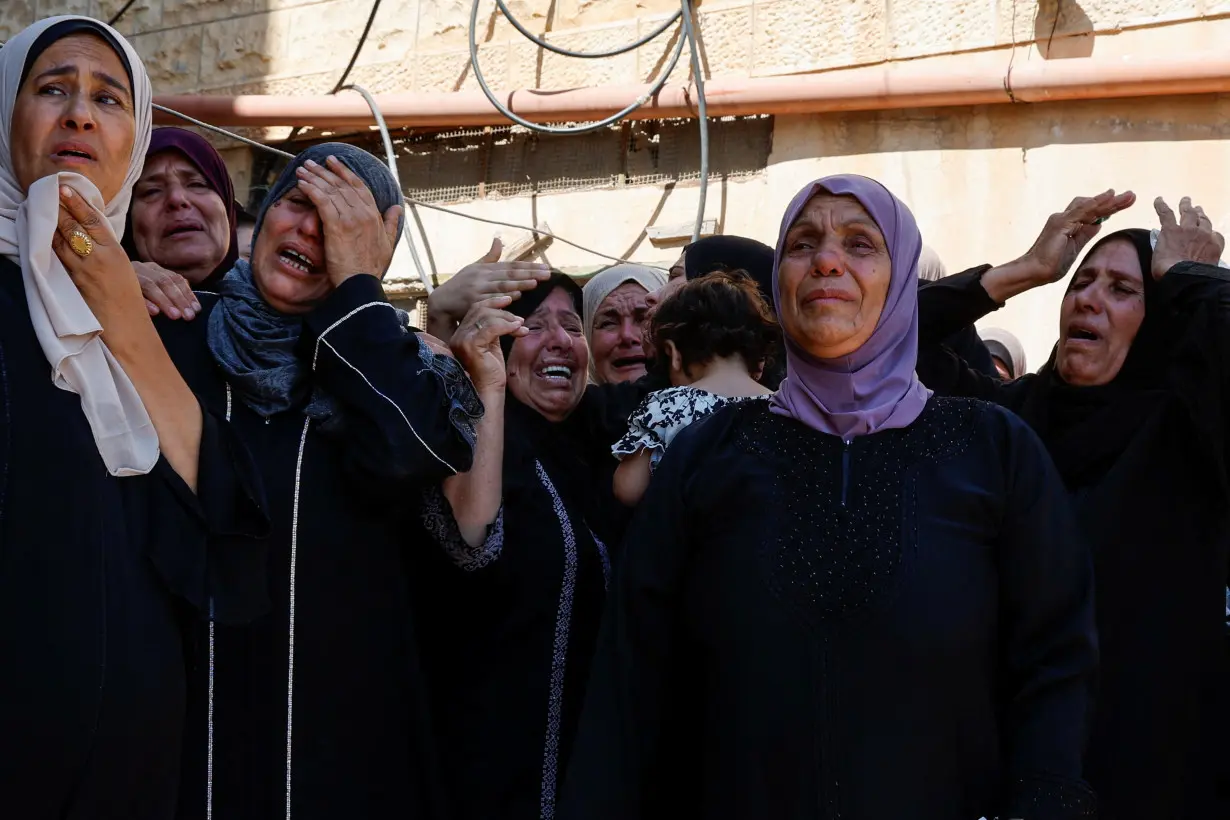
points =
(530, 436)
(578, 461)
(732, 253)
(715, 253)
(1087, 428)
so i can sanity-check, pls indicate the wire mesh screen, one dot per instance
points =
(512, 161)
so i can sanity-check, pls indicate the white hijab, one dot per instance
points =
(602, 284)
(67, 330)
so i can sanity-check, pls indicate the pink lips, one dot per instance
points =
(823, 295)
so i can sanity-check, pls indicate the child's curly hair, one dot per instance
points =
(720, 314)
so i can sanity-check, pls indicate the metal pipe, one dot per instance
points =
(912, 84)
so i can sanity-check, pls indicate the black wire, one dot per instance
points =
(120, 13)
(1054, 25)
(577, 129)
(538, 41)
(371, 18)
(702, 113)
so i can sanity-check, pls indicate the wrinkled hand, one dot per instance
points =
(1190, 238)
(105, 277)
(1067, 233)
(434, 345)
(357, 238)
(166, 292)
(483, 279)
(477, 341)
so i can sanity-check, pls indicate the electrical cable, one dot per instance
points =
(702, 114)
(280, 153)
(116, 17)
(687, 32)
(354, 56)
(391, 158)
(586, 55)
(388, 148)
(536, 231)
(563, 129)
(223, 131)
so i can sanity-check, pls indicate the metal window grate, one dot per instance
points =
(511, 161)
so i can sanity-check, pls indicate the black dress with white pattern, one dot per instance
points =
(663, 414)
(508, 627)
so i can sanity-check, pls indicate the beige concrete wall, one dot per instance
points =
(980, 180)
(300, 46)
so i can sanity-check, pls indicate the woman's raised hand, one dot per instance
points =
(1063, 237)
(1190, 238)
(476, 343)
(1067, 233)
(166, 292)
(483, 279)
(101, 270)
(357, 237)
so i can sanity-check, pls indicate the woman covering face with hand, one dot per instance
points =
(896, 621)
(1131, 407)
(112, 480)
(318, 710)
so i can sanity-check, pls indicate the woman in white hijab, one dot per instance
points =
(111, 477)
(1007, 352)
(617, 303)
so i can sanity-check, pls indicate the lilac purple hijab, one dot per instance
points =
(875, 387)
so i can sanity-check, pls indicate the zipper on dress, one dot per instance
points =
(845, 471)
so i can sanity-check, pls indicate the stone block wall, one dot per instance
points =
(301, 46)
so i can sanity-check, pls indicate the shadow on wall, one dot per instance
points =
(1063, 30)
(1025, 126)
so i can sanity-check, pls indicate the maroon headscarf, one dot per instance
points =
(207, 160)
(875, 387)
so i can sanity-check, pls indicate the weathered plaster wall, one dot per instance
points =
(300, 46)
(981, 180)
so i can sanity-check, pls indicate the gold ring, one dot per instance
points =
(81, 243)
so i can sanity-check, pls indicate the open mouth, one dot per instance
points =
(180, 230)
(1081, 334)
(72, 151)
(297, 260)
(557, 374)
(623, 362)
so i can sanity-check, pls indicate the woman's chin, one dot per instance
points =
(292, 295)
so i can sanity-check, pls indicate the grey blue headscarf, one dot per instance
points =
(255, 344)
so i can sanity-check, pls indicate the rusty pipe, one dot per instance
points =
(888, 86)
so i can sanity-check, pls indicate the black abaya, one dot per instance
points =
(99, 578)
(1148, 475)
(318, 710)
(803, 629)
(509, 659)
